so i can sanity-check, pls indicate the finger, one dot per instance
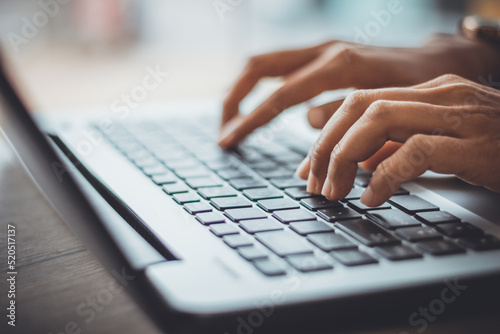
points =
(319, 116)
(386, 151)
(382, 121)
(294, 92)
(267, 65)
(420, 153)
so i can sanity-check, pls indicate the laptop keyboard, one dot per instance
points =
(250, 199)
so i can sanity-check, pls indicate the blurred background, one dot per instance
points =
(79, 53)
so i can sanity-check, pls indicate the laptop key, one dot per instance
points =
(299, 193)
(480, 243)
(224, 203)
(215, 192)
(360, 207)
(271, 205)
(398, 252)
(420, 233)
(295, 215)
(392, 219)
(203, 182)
(293, 182)
(330, 241)
(270, 267)
(197, 207)
(221, 230)
(252, 253)
(439, 247)
(248, 183)
(279, 172)
(316, 203)
(456, 230)
(308, 227)
(338, 214)
(155, 170)
(162, 179)
(258, 194)
(209, 218)
(367, 232)
(244, 214)
(308, 262)
(184, 198)
(284, 243)
(362, 180)
(176, 188)
(355, 193)
(260, 225)
(436, 217)
(229, 174)
(237, 240)
(353, 257)
(412, 204)
(192, 173)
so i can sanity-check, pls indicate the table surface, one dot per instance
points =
(56, 273)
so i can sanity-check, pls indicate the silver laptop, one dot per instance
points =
(218, 241)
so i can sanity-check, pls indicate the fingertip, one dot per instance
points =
(303, 169)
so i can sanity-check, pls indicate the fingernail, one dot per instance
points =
(368, 197)
(312, 182)
(327, 188)
(301, 170)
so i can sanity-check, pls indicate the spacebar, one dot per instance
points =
(283, 243)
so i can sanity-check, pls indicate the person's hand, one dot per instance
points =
(448, 125)
(334, 65)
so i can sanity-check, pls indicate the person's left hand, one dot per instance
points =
(448, 125)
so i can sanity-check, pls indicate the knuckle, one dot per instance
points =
(379, 109)
(357, 96)
(451, 78)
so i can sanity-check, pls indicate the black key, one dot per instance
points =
(224, 203)
(215, 192)
(439, 247)
(271, 205)
(401, 191)
(412, 204)
(436, 217)
(249, 183)
(263, 165)
(367, 232)
(260, 225)
(352, 257)
(230, 174)
(237, 240)
(308, 262)
(279, 172)
(308, 227)
(209, 218)
(192, 173)
(284, 243)
(330, 241)
(299, 193)
(457, 230)
(175, 188)
(258, 194)
(288, 183)
(316, 203)
(203, 182)
(186, 198)
(419, 233)
(338, 214)
(244, 214)
(355, 193)
(360, 207)
(295, 215)
(162, 179)
(480, 243)
(392, 219)
(270, 267)
(289, 157)
(221, 230)
(252, 253)
(363, 180)
(197, 207)
(398, 252)
(155, 170)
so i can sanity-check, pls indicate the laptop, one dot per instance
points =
(215, 241)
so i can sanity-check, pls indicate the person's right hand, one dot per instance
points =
(335, 65)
